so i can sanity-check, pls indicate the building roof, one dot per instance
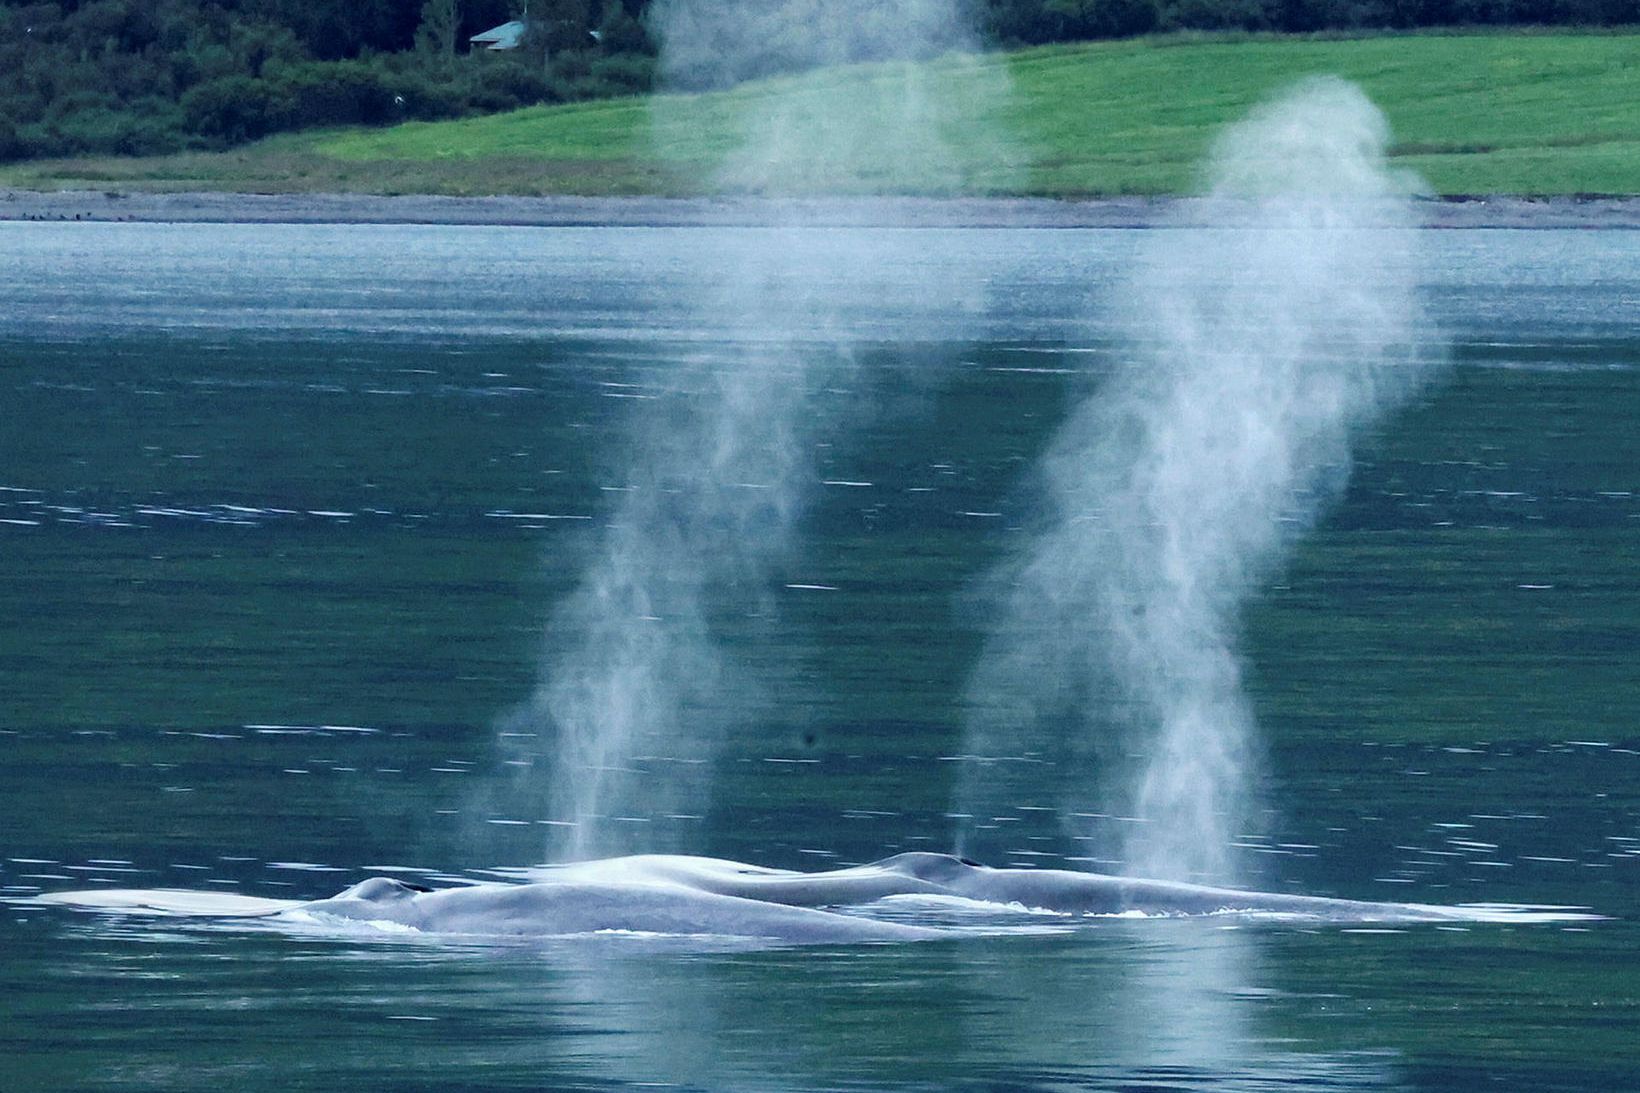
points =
(505, 36)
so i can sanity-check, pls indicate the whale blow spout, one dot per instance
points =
(1275, 320)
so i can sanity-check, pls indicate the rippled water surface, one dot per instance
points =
(283, 512)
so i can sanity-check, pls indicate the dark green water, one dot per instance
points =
(275, 565)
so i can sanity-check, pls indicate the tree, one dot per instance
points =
(564, 25)
(620, 32)
(439, 31)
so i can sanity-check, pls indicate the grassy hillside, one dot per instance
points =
(1506, 113)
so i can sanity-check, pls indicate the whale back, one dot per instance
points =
(567, 908)
(713, 898)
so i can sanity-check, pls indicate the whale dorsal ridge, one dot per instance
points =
(380, 890)
(937, 868)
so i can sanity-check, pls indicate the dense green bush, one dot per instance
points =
(431, 100)
(589, 75)
(115, 132)
(626, 73)
(336, 93)
(1063, 20)
(11, 144)
(505, 84)
(234, 109)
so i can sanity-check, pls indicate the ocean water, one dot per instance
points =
(284, 511)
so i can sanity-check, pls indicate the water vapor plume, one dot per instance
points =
(638, 686)
(1277, 319)
(635, 690)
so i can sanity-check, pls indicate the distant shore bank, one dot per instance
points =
(565, 211)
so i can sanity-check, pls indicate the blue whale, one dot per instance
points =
(709, 897)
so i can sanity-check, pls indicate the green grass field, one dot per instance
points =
(1472, 114)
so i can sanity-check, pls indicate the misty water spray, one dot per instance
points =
(1261, 332)
(637, 690)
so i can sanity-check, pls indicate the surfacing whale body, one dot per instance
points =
(708, 897)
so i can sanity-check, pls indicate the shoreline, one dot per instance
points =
(114, 206)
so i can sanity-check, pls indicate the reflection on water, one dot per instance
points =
(1133, 1013)
(1180, 1009)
